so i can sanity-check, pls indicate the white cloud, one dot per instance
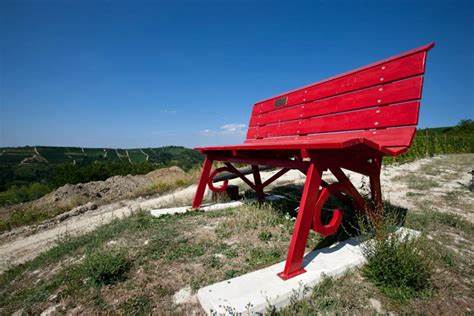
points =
(167, 111)
(227, 129)
(233, 129)
(207, 132)
(163, 133)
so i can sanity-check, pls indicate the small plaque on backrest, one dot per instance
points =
(281, 101)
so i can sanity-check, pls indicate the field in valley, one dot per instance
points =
(13, 156)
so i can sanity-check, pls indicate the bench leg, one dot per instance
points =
(201, 188)
(358, 199)
(303, 224)
(375, 189)
(258, 183)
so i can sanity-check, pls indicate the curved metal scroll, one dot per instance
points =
(210, 183)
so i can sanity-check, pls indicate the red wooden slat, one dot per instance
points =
(385, 116)
(389, 137)
(402, 66)
(398, 91)
(395, 70)
(395, 151)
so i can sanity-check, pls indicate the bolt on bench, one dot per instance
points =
(349, 121)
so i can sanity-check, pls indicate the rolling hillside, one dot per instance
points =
(13, 156)
(27, 173)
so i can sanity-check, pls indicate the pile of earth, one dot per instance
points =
(112, 189)
(101, 192)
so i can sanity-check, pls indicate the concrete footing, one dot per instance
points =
(208, 207)
(205, 208)
(254, 292)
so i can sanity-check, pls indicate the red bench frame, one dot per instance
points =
(349, 121)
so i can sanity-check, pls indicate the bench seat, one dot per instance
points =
(393, 141)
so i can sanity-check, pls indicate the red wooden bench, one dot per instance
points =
(349, 121)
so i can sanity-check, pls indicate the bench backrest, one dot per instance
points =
(382, 95)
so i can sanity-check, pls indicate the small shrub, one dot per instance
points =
(137, 305)
(162, 291)
(265, 236)
(106, 267)
(26, 216)
(257, 257)
(19, 194)
(322, 294)
(212, 262)
(454, 221)
(229, 274)
(185, 250)
(325, 298)
(400, 267)
(231, 253)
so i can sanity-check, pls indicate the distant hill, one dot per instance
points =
(439, 140)
(27, 173)
(464, 128)
(181, 156)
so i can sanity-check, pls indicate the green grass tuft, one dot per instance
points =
(265, 235)
(106, 267)
(137, 305)
(399, 267)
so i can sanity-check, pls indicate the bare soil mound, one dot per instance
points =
(100, 192)
(112, 189)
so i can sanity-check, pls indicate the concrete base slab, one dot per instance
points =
(205, 208)
(209, 207)
(253, 292)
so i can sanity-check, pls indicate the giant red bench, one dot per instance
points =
(349, 121)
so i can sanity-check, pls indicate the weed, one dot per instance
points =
(106, 267)
(29, 215)
(18, 194)
(229, 274)
(162, 291)
(260, 257)
(417, 182)
(322, 292)
(339, 296)
(448, 258)
(230, 253)
(137, 305)
(400, 267)
(166, 185)
(454, 221)
(212, 262)
(265, 235)
(185, 250)
(428, 219)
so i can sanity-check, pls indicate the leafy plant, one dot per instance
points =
(265, 235)
(18, 194)
(106, 267)
(400, 266)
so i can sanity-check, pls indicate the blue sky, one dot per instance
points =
(146, 74)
